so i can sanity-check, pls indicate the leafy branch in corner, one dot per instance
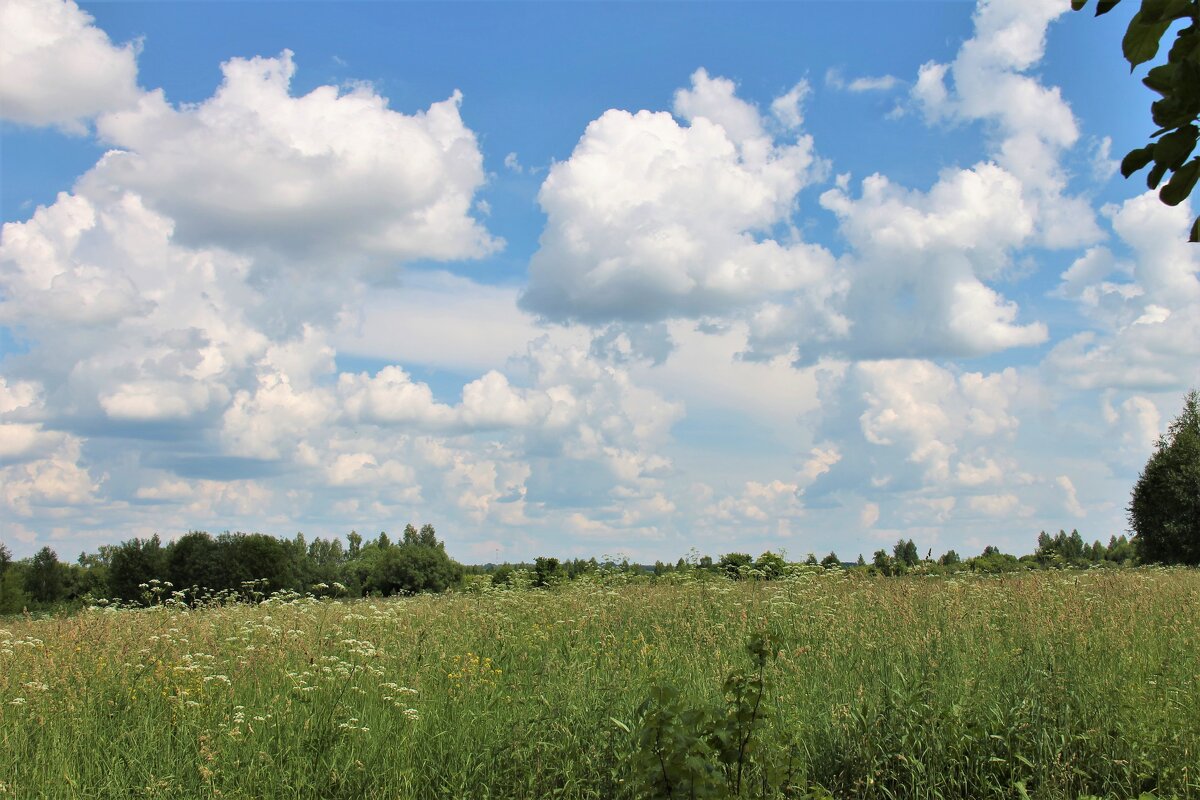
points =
(1178, 84)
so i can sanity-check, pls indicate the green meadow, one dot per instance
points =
(1055, 684)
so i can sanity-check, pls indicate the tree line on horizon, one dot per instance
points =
(198, 566)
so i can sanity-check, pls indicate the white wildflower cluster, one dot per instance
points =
(31, 642)
(400, 697)
(352, 725)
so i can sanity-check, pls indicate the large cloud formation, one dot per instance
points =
(186, 312)
(179, 304)
(56, 68)
(331, 173)
(657, 217)
(651, 219)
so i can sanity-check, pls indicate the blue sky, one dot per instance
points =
(580, 278)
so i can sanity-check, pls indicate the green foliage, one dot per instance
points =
(247, 557)
(1177, 82)
(13, 598)
(44, 580)
(195, 560)
(992, 562)
(673, 756)
(770, 566)
(905, 552)
(735, 564)
(690, 751)
(410, 569)
(547, 572)
(1165, 508)
(132, 564)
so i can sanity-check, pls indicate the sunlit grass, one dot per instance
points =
(1071, 683)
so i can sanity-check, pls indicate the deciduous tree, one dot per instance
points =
(1164, 511)
(44, 581)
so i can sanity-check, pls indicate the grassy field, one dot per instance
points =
(1056, 684)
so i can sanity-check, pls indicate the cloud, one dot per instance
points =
(22, 436)
(787, 108)
(651, 219)
(423, 322)
(760, 503)
(1031, 124)
(329, 174)
(881, 83)
(1104, 166)
(998, 505)
(219, 334)
(57, 68)
(820, 460)
(140, 328)
(929, 412)
(1143, 309)
(1070, 497)
(50, 485)
(917, 276)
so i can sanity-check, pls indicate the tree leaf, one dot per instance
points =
(1195, 237)
(1162, 79)
(1174, 148)
(1159, 10)
(1105, 6)
(1077, 5)
(1181, 183)
(1136, 159)
(1141, 40)
(1156, 175)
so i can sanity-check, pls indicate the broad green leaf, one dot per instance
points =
(1169, 113)
(1174, 148)
(1077, 5)
(1105, 6)
(1141, 40)
(1156, 175)
(1181, 183)
(1136, 159)
(1162, 79)
(1195, 237)
(1158, 10)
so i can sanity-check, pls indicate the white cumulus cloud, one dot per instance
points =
(57, 68)
(651, 219)
(329, 173)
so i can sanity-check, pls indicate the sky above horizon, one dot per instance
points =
(581, 279)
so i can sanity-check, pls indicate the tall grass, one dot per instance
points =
(1065, 683)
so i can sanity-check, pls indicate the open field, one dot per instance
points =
(1069, 683)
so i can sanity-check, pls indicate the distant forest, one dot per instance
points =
(200, 567)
